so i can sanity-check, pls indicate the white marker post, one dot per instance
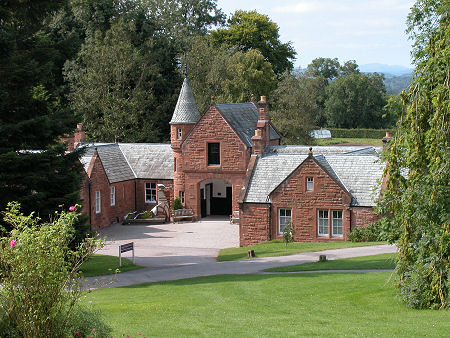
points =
(125, 248)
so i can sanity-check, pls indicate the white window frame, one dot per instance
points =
(179, 133)
(98, 202)
(337, 223)
(323, 223)
(113, 196)
(283, 218)
(182, 197)
(150, 192)
(309, 184)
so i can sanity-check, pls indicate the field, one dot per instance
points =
(99, 265)
(267, 305)
(361, 141)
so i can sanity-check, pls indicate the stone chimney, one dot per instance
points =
(386, 139)
(262, 133)
(79, 135)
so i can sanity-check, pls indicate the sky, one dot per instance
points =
(367, 31)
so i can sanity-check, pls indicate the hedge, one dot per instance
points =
(358, 133)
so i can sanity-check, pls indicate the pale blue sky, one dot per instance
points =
(368, 31)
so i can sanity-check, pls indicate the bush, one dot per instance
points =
(146, 214)
(358, 133)
(372, 233)
(39, 273)
(177, 204)
(288, 234)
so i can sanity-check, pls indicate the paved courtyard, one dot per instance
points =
(171, 245)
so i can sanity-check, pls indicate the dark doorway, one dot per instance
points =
(202, 202)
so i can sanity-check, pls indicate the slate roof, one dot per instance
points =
(127, 161)
(186, 110)
(358, 174)
(149, 160)
(243, 118)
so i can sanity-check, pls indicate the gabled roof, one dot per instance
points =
(186, 110)
(127, 161)
(358, 174)
(325, 150)
(243, 117)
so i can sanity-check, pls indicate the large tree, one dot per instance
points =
(33, 167)
(251, 30)
(416, 199)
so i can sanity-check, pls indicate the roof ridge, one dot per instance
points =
(126, 160)
(334, 172)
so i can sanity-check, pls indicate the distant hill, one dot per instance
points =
(385, 69)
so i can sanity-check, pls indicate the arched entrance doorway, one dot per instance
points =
(215, 197)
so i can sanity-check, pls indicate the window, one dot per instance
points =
(322, 222)
(175, 164)
(182, 197)
(113, 196)
(213, 153)
(336, 223)
(309, 184)
(284, 216)
(150, 192)
(98, 202)
(179, 133)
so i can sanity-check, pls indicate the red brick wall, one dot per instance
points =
(124, 197)
(193, 165)
(363, 216)
(254, 223)
(140, 193)
(326, 195)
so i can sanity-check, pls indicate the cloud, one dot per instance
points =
(299, 7)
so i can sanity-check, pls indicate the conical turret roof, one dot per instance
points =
(186, 110)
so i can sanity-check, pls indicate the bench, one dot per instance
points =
(234, 217)
(181, 214)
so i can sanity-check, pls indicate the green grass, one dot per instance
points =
(383, 261)
(277, 248)
(99, 265)
(275, 305)
(369, 141)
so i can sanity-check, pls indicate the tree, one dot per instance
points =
(324, 67)
(251, 30)
(294, 107)
(418, 175)
(125, 83)
(34, 169)
(355, 101)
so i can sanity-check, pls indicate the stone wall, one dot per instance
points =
(363, 216)
(254, 223)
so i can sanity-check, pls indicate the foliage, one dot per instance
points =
(376, 231)
(366, 141)
(288, 234)
(227, 75)
(416, 196)
(358, 133)
(34, 169)
(253, 31)
(381, 261)
(393, 109)
(294, 107)
(177, 204)
(39, 272)
(355, 100)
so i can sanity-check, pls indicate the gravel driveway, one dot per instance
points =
(171, 245)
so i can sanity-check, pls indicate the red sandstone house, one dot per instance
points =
(230, 159)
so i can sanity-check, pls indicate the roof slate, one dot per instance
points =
(243, 118)
(325, 150)
(150, 161)
(116, 166)
(186, 110)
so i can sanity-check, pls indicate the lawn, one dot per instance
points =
(383, 261)
(369, 141)
(277, 248)
(99, 265)
(267, 305)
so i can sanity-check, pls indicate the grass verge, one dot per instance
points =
(275, 305)
(382, 261)
(277, 248)
(369, 141)
(99, 265)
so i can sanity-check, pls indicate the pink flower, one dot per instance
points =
(94, 329)
(12, 243)
(72, 208)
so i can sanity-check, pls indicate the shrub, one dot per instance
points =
(39, 273)
(288, 233)
(373, 232)
(177, 204)
(145, 214)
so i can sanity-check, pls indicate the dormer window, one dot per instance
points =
(309, 184)
(213, 153)
(179, 133)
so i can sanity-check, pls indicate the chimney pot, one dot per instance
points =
(388, 134)
(263, 98)
(79, 126)
(258, 132)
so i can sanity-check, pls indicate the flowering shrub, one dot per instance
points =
(39, 273)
